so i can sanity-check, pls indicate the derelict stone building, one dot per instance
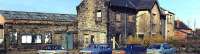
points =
(32, 30)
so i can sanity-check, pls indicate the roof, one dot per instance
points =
(123, 3)
(134, 4)
(21, 15)
(180, 25)
(145, 4)
(163, 11)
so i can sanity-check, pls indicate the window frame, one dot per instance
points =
(98, 16)
(29, 41)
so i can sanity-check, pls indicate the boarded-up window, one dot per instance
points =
(130, 18)
(118, 17)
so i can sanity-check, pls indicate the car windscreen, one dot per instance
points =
(165, 46)
(154, 47)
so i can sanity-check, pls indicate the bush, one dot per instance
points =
(152, 39)
(146, 40)
(134, 40)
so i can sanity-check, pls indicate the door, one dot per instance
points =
(69, 40)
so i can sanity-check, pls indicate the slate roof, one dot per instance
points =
(134, 4)
(180, 25)
(21, 15)
(123, 3)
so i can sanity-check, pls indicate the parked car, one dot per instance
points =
(97, 49)
(135, 49)
(163, 48)
(52, 49)
(2, 49)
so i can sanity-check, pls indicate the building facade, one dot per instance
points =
(92, 22)
(32, 30)
(197, 32)
(148, 19)
(169, 24)
(182, 31)
(117, 19)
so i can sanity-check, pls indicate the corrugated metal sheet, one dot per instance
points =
(14, 15)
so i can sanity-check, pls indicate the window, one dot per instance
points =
(154, 15)
(26, 39)
(1, 26)
(169, 19)
(92, 39)
(48, 37)
(38, 39)
(130, 18)
(99, 15)
(141, 36)
(118, 17)
(13, 37)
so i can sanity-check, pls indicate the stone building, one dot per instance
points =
(182, 34)
(32, 30)
(1, 34)
(197, 32)
(169, 23)
(117, 19)
(182, 31)
(92, 22)
(148, 21)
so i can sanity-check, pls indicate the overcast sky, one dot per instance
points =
(185, 10)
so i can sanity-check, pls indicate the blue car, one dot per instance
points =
(163, 48)
(52, 49)
(97, 49)
(135, 49)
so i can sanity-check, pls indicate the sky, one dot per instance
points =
(186, 10)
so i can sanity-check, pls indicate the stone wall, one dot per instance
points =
(156, 19)
(87, 22)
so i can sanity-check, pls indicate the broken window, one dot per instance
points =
(48, 37)
(38, 39)
(26, 39)
(13, 37)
